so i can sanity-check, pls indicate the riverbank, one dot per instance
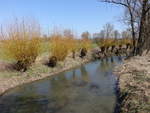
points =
(134, 85)
(10, 79)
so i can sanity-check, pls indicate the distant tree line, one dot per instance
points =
(108, 32)
(137, 15)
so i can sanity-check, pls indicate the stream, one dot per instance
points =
(89, 88)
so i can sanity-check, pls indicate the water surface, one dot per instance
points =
(89, 88)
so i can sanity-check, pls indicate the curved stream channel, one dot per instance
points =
(89, 88)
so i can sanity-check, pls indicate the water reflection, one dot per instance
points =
(87, 89)
(112, 59)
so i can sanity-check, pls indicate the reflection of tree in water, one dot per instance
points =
(112, 59)
(74, 74)
(105, 66)
(80, 81)
(107, 59)
(119, 58)
(60, 93)
(84, 74)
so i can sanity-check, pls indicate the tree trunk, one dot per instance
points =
(142, 36)
(133, 34)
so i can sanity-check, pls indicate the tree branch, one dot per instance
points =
(148, 9)
(114, 2)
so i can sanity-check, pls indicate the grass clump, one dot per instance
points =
(21, 43)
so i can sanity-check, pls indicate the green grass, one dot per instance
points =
(34, 70)
(94, 45)
(8, 74)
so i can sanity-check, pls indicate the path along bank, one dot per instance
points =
(134, 85)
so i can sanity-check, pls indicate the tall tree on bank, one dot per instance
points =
(130, 6)
(138, 11)
(148, 32)
(144, 18)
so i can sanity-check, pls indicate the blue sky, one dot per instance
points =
(79, 15)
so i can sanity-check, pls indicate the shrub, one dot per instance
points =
(83, 52)
(59, 47)
(126, 41)
(72, 45)
(22, 43)
(52, 61)
(103, 48)
(112, 48)
(106, 42)
(85, 43)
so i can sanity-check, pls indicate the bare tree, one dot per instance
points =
(126, 34)
(116, 34)
(138, 11)
(130, 5)
(141, 45)
(148, 32)
(68, 33)
(86, 35)
(109, 30)
(102, 34)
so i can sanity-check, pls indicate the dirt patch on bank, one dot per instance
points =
(134, 84)
(6, 66)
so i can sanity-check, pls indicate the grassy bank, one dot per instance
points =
(134, 84)
(11, 79)
(26, 56)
